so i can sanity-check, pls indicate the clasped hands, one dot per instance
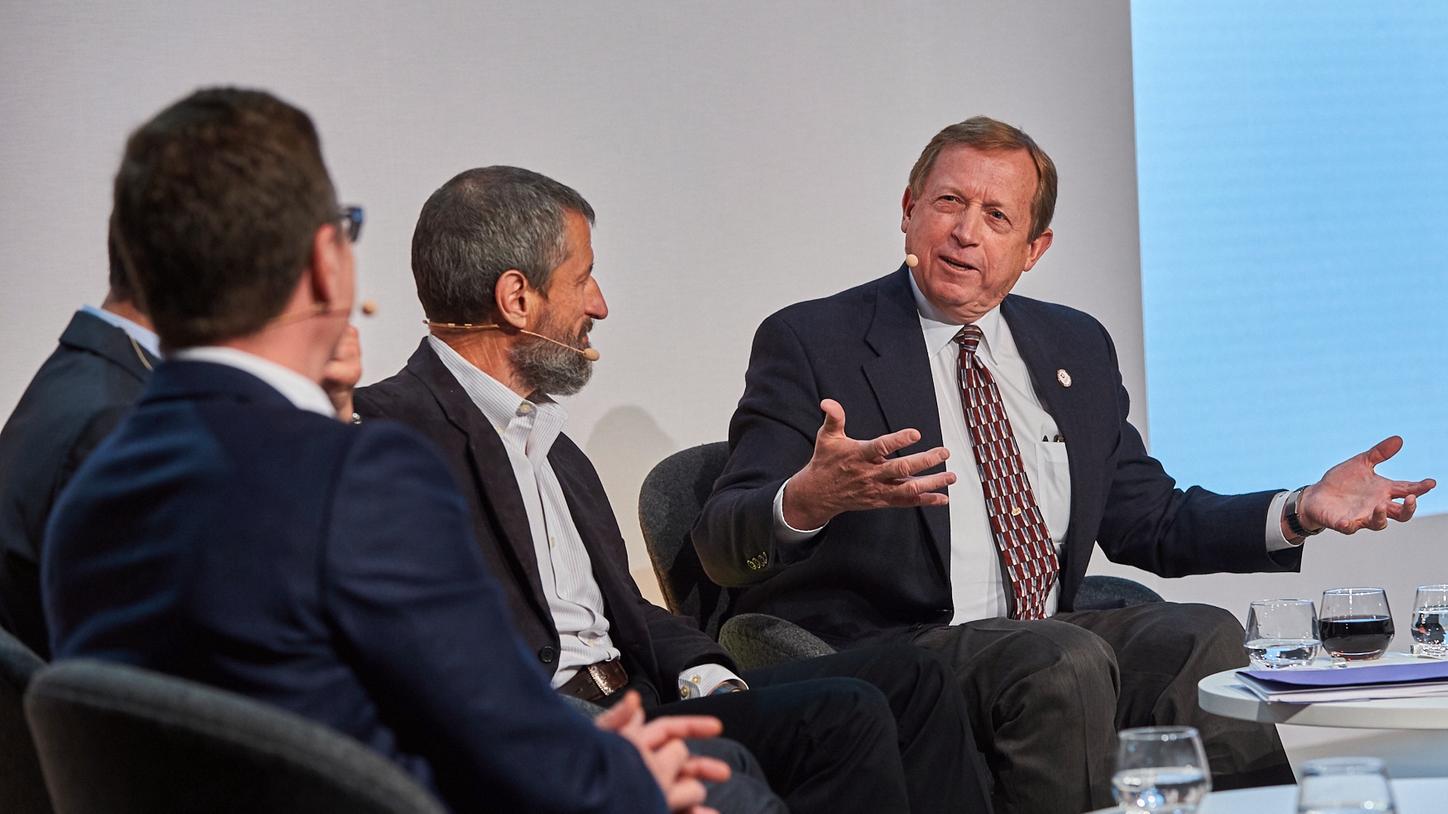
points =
(846, 475)
(1352, 496)
(660, 743)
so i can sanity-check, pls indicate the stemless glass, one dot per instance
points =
(1160, 769)
(1338, 785)
(1430, 614)
(1281, 633)
(1356, 624)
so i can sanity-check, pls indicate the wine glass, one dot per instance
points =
(1356, 624)
(1336, 785)
(1430, 614)
(1281, 633)
(1160, 769)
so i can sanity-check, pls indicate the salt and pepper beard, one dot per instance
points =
(548, 368)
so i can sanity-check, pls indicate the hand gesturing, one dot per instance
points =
(1352, 496)
(847, 475)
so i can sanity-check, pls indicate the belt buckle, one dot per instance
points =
(600, 677)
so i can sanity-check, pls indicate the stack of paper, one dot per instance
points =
(1409, 679)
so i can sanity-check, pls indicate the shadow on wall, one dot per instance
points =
(625, 444)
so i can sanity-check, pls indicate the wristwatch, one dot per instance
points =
(1294, 521)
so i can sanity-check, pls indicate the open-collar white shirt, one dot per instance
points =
(528, 430)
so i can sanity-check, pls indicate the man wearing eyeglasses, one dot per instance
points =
(232, 531)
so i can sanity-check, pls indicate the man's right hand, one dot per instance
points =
(846, 475)
(661, 744)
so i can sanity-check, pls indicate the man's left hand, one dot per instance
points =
(343, 371)
(1351, 496)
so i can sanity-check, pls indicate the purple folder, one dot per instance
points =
(1402, 673)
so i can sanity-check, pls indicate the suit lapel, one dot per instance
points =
(90, 333)
(901, 380)
(488, 460)
(1044, 360)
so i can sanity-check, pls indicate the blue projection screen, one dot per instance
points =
(1292, 164)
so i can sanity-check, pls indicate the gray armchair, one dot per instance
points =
(122, 740)
(670, 500)
(22, 787)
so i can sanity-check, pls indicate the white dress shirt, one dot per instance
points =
(528, 430)
(977, 585)
(301, 391)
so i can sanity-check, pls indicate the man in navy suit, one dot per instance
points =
(233, 531)
(1016, 407)
(503, 261)
(77, 397)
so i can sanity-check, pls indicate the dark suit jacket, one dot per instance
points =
(656, 645)
(75, 399)
(875, 572)
(223, 535)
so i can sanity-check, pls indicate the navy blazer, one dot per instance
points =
(871, 573)
(656, 645)
(76, 398)
(225, 536)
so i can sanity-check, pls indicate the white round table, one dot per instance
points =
(1224, 694)
(1413, 736)
(1416, 796)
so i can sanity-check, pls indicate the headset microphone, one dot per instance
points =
(590, 354)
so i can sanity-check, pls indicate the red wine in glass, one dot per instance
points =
(1356, 623)
(1363, 637)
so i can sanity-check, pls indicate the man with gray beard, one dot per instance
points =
(503, 261)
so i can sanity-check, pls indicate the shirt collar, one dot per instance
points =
(301, 391)
(940, 329)
(504, 409)
(144, 337)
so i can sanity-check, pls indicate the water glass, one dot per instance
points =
(1356, 623)
(1161, 769)
(1430, 613)
(1281, 633)
(1339, 785)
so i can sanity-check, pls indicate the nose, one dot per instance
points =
(595, 305)
(967, 227)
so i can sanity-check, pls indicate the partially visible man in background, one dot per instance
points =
(77, 397)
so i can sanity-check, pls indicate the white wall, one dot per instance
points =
(741, 157)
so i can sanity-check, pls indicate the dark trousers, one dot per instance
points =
(880, 729)
(747, 789)
(1047, 698)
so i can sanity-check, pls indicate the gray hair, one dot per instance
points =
(482, 223)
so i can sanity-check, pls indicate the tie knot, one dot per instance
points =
(969, 338)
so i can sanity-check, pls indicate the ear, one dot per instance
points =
(511, 299)
(1037, 248)
(325, 266)
(907, 203)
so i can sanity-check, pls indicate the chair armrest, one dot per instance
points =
(1102, 592)
(758, 640)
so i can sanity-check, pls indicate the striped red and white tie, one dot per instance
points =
(1020, 532)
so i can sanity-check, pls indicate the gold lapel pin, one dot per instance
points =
(1063, 377)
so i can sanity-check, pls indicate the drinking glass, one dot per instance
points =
(1356, 624)
(1281, 633)
(1160, 769)
(1338, 785)
(1430, 614)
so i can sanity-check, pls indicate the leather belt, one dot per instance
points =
(596, 681)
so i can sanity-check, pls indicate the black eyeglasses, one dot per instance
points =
(351, 218)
